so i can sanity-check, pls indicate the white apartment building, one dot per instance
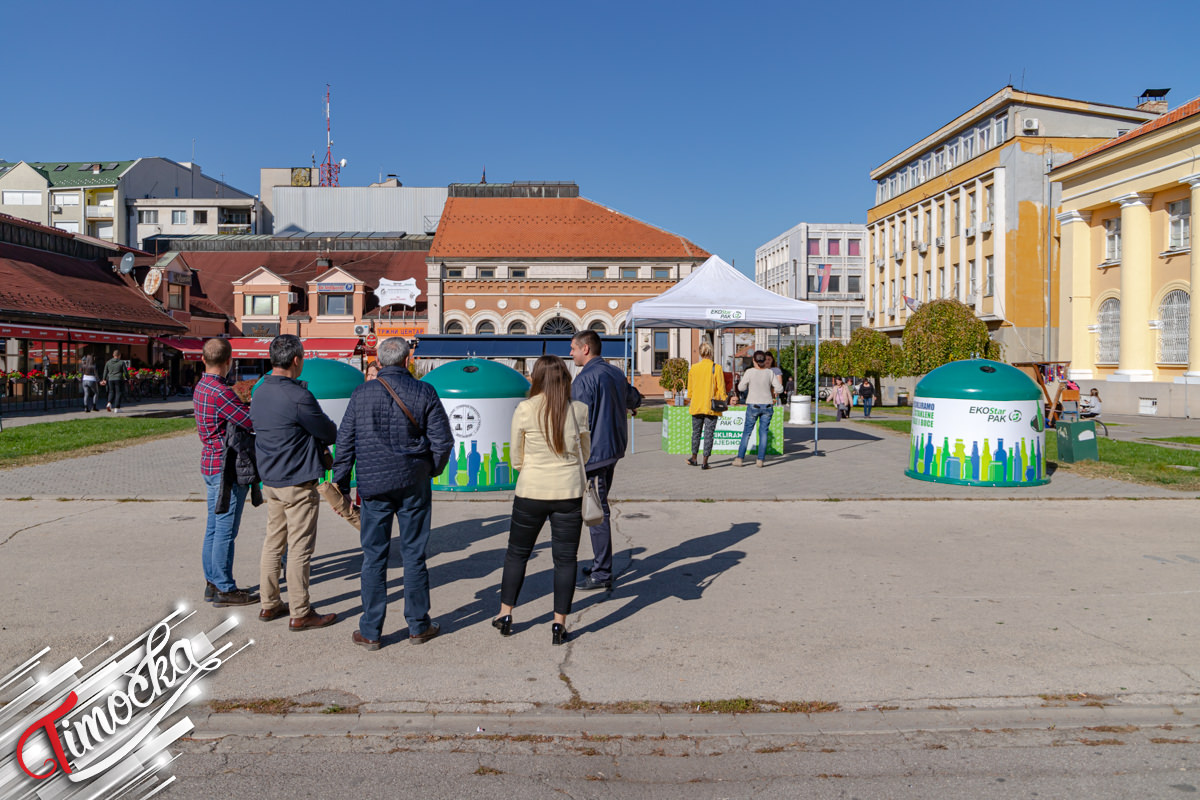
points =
(123, 202)
(823, 263)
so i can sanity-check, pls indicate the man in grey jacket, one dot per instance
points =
(291, 433)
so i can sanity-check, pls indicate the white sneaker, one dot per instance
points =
(108, 407)
(762, 463)
(116, 411)
(737, 462)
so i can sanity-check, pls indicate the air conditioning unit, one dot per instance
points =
(916, 244)
(941, 241)
(56, 209)
(891, 311)
(986, 227)
(1030, 125)
(879, 262)
(971, 302)
(971, 232)
(870, 314)
(922, 248)
(899, 255)
(362, 330)
(291, 297)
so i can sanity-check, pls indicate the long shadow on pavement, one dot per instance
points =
(697, 563)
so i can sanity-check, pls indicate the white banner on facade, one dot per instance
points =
(403, 293)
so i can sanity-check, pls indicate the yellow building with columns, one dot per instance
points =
(1126, 303)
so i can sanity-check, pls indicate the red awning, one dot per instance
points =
(191, 348)
(105, 337)
(33, 332)
(313, 348)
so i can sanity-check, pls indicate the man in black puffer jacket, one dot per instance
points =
(395, 431)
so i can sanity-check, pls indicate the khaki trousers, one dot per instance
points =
(291, 525)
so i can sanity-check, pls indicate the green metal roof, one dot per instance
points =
(79, 173)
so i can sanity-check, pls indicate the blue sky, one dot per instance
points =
(726, 123)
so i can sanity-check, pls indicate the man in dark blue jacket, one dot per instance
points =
(609, 397)
(396, 441)
(291, 433)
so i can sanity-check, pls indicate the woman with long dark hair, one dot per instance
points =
(550, 439)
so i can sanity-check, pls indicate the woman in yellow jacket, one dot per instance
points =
(706, 382)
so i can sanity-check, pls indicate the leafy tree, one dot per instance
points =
(871, 353)
(834, 359)
(942, 331)
(806, 380)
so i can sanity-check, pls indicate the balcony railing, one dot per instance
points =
(100, 212)
(233, 229)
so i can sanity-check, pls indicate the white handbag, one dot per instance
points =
(593, 511)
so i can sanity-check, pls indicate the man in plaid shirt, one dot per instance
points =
(216, 406)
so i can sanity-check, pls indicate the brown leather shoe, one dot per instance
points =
(268, 614)
(311, 620)
(362, 641)
(238, 597)
(421, 638)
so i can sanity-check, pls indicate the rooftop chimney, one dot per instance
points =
(1153, 101)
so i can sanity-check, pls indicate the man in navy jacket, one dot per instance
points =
(609, 397)
(291, 432)
(396, 449)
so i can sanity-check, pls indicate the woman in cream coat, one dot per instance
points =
(547, 451)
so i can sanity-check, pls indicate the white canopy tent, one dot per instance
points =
(716, 295)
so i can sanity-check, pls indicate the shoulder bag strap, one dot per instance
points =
(714, 380)
(578, 446)
(400, 403)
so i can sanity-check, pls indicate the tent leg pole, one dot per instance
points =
(817, 389)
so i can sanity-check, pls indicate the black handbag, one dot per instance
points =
(718, 406)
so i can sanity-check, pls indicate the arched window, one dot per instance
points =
(598, 327)
(454, 327)
(558, 326)
(1109, 351)
(1174, 317)
(486, 327)
(517, 328)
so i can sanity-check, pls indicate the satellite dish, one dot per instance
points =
(127, 264)
(342, 162)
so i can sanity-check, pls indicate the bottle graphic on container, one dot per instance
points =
(495, 465)
(450, 475)
(985, 462)
(974, 461)
(462, 477)
(473, 464)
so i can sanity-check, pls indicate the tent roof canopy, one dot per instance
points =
(716, 295)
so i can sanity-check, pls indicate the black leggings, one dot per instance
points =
(566, 523)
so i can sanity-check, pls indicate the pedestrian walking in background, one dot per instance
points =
(609, 397)
(840, 396)
(866, 391)
(116, 373)
(706, 383)
(550, 440)
(90, 382)
(759, 385)
(217, 407)
(292, 436)
(396, 436)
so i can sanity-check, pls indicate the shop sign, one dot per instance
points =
(180, 278)
(335, 288)
(404, 331)
(260, 329)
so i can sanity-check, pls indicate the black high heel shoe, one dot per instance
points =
(503, 624)
(558, 634)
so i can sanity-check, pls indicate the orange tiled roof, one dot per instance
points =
(1184, 111)
(550, 227)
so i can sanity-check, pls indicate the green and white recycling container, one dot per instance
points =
(480, 397)
(331, 382)
(978, 423)
(1077, 441)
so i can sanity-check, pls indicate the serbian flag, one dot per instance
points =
(826, 269)
(910, 302)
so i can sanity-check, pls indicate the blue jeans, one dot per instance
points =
(410, 506)
(867, 402)
(760, 413)
(601, 535)
(219, 533)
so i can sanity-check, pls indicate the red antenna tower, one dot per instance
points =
(330, 169)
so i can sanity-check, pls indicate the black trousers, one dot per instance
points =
(566, 524)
